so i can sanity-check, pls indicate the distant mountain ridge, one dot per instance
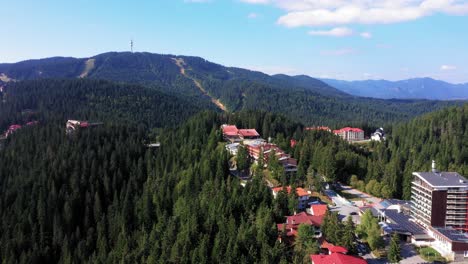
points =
(417, 88)
(209, 85)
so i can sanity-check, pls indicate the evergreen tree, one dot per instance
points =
(394, 252)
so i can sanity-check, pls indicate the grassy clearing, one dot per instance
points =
(322, 197)
(350, 196)
(429, 254)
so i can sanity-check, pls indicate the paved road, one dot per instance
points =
(343, 207)
(360, 194)
(410, 256)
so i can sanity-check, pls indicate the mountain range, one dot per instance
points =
(212, 86)
(417, 88)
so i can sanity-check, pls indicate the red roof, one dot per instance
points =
(319, 209)
(292, 223)
(293, 143)
(230, 130)
(84, 124)
(303, 218)
(348, 129)
(336, 258)
(32, 123)
(248, 133)
(14, 127)
(299, 191)
(338, 249)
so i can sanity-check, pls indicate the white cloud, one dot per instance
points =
(338, 52)
(366, 35)
(335, 32)
(253, 15)
(344, 12)
(448, 67)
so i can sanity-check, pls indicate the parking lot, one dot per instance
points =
(344, 207)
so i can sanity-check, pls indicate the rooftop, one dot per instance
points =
(336, 258)
(229, 130)
(452, 234)
(348, 129)
(248, 133)
(442, 179)
(401, 223)
(299, 191)
(319, 209)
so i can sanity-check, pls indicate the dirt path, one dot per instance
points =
(89, 65)
(181, 64)
(5, 78)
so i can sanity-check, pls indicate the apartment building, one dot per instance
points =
(439, 202)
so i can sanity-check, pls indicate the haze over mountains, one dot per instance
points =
(420, 88)
(213, 86)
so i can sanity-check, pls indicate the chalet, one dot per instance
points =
(12, 129)
(73, 125)
(336, 258)
(302, 195)
(378, 135)
(318, 209)
(230, 133)
(350, 133)
(248, 134)
(291, 226)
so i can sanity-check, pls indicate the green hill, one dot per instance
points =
(208, 84)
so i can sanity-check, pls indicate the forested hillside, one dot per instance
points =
(301, 98)
(101, 196)
(59, 100)
(441, 136)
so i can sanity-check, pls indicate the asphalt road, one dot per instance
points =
(343, 207)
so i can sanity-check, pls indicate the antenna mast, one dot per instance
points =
(131, 45)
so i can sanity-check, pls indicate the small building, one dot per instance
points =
(291, 226)
(248, 134)
(74, 125)
(230, 133)
(336, 258)
(378, 135)
(350, 133)
(318, 209)
(302, 195)
(12, 129)
(450, 243)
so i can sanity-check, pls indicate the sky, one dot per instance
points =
(340, 39)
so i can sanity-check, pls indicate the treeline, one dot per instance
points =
(52, 100)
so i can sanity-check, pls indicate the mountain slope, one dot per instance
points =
(207, 84)
(92, 100)
(422, 88)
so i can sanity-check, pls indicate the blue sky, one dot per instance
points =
(352, 39)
